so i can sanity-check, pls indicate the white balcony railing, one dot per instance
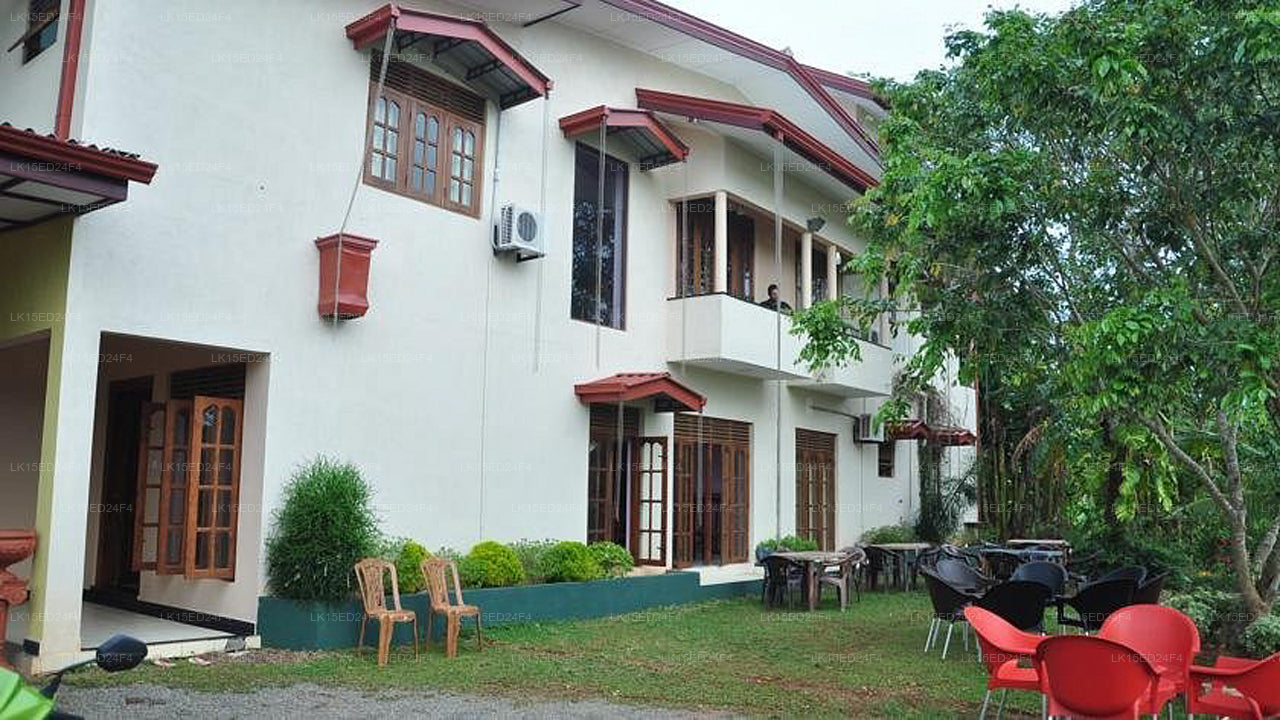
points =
(721, 332)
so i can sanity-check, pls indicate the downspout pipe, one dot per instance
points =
(70, 68)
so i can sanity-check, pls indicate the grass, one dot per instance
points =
(726, 655)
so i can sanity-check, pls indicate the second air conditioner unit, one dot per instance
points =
(864, 429)
(518, 230)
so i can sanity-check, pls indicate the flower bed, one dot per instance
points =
(324, 626)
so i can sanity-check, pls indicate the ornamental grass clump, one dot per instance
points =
(323, 527)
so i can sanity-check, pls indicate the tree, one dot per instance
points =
(1089, 204)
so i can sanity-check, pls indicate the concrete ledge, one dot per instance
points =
(323, 626)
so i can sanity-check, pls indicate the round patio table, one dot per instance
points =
(814, 563)
(908, 554)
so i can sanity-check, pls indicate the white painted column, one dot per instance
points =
(833, 272)
(806, 269)
(720, 278)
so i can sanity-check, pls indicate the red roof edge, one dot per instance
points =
(369, 28)
(589, 119)
(846, 84)
(766, 120)
(627, 387)
(76, 156)
(726, 39)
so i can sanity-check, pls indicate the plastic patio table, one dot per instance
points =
(814, 562)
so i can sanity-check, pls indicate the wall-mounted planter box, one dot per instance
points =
(321, 626)
(344, 278)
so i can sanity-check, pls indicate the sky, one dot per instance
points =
(882, 38)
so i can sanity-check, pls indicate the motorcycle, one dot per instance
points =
(20, 701)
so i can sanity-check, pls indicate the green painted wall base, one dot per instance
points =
(325, 626)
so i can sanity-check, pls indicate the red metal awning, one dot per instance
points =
(940, 434)
(42, 177)
(668, 394)
(639, 131)
(467, 48)
(766, 120)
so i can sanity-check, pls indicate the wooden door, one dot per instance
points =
(684, 504)
(695, 266)
(147, 515)
(816, 487)
(213, 487)
(742, 261)
(601, 466)
(649, 500)
(733, 512)
(174, 476)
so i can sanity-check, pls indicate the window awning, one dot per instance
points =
(940, 434)
(766, 120)
(467, 48)
(647, 139)
(42, 177)
(668, 395)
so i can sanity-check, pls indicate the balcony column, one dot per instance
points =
(806, 269)
(833, 272)
(720, 278)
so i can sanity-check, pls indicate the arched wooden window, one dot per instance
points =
(425, 159)
(385, 139)
(462, 166)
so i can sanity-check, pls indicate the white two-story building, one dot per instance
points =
(295, 257)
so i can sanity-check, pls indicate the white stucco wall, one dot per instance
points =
(255, 113)
(28, 91)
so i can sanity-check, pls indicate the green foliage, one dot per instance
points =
(889, 534)
(1262, 638)
(569, 561)
(788, 542)
(408, 556)
(613, 559)
(1213, 612)
(530, 553)
(324, 525)
(1081, 209)
(491, 564)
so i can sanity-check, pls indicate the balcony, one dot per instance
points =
(723, 333)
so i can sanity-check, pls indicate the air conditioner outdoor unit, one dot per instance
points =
(864, 430)
(518, 230)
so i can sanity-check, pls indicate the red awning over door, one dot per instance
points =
(668, 394)
(467, 48)
(651, 142)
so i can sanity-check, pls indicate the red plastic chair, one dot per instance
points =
(1236, 688)
(1166, 638)
(1090, 678)
(1003, 646)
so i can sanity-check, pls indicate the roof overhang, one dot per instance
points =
(860, 89)
(741, 46)
(42, 177)
(765, 120)
(668, 394)
(467, 48)
(947, 435)
(647, 139)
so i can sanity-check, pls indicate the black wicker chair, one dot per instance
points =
(881, 561)
(1020, 602)
(948, 606)
(961, 576)
(1051, 575)
(1095, 602)
(1148, 593)
(1136, 573)
(1001, 563)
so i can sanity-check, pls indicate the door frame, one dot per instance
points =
(114, 446)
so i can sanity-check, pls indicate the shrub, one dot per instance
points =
(323, 527)
(1262, 638)
(491, 564)
(889, 534)
(797, 544)
(408, 559)
(530, 553)
(569, 561)
(614, 560)
(1211, 611)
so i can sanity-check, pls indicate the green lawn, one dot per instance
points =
(726, 655)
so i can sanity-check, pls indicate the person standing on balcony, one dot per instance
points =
(772, 302)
